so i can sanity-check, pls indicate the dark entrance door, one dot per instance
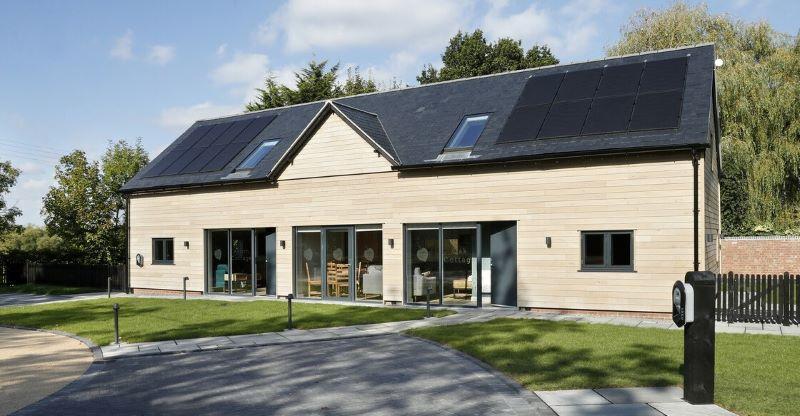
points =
(503, 249)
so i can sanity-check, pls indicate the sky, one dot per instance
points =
(74, 75)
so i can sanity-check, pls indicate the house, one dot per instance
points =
(590, 186)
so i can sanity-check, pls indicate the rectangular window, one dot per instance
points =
(163, 251)
(468, 132)
(607, 250)
(257, 155)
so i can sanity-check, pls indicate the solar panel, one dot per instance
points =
(231, 133)
(663, 75)
(579, 84)
(224, 157)
(620, 80)
(193, 137)
(184, 159)
(565, 119)
(524, 123)
(609, 114)
(213, 134)
(659, 110)
(540, 90)
(252, 130)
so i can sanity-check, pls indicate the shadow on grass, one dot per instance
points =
(547, 355)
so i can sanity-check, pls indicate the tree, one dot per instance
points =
(84, 209)
(33, 243)
(469, 55)
(312, 83)
(759, 99)
(8, 215)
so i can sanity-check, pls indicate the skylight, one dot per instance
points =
(467, 133)
(257, 155)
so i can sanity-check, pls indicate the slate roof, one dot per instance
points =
(413, 125)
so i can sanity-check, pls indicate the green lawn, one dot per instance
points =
(755, 374)
(47, 289)
(164, 319)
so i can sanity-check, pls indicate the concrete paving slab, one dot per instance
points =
(642, 394)
(571, 397)
(607, 410)
(686, 409)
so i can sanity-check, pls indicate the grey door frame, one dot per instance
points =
(229, 233)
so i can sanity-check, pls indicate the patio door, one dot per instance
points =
(338, 276)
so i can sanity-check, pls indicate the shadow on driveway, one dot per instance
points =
(382, 375)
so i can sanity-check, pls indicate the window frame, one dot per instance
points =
(449, 148)
(607, 252)
(163, 241)
(253, 152)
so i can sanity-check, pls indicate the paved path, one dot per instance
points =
(637, 401)
(35, 364)
(383, 375)
(21, 299)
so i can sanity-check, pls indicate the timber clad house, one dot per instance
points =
(590, 186)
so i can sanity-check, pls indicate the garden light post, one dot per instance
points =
(185, 279)
(289, 298)
(428, 291)
(116, 322)
(109, 287)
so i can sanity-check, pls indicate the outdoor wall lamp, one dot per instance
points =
(283, 244)
(391, 242)
(548, 241)
(186, 244)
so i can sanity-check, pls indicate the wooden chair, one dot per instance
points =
(313, 283)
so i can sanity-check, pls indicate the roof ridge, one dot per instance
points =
(677, 48)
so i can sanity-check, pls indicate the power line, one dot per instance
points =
(23, 143)
(30, 148)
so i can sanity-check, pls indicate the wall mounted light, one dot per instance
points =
(186, 244)
(548, 241)
(391, 242)
(283, 244)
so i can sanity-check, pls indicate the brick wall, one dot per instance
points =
(760, 255)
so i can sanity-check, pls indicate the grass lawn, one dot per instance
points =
(143, 320)
(47, 289)
(755, 374)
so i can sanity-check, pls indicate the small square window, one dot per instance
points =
(607, 250)
(163, 251)
(468, 132)
(257, 155)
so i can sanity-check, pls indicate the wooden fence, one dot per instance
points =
(81, 275)
(758, 298)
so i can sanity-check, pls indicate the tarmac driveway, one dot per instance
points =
(20, 299)
(382, 375)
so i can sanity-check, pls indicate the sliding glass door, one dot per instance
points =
(240, 261)
(339, 263)
(442, 261)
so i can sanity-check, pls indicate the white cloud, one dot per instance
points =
(570, 30)
(221, 49)
(35, 184)
(180, 118)
(123, 47)
(307, 25)
(244, 68)
(29, 167)
(161, 54)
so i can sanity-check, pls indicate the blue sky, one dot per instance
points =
(77, 74)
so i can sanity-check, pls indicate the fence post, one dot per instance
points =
(784, 290)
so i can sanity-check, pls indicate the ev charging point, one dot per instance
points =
(693, 309)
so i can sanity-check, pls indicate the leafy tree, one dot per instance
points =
(84, 209)
(312, 83)
(34, 244)
(8, 215)
(759, 99)
(469, 55)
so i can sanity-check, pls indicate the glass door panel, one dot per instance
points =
(219, 271)
(369, 267)
(460, 261)
(241, 261)
(337, 263)
(423, 260)
(261, 262)
(309, 264)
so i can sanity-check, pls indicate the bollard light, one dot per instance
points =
(428, 301)
(109, 288)
(289, 298)
(116, 322)
(185, 279)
